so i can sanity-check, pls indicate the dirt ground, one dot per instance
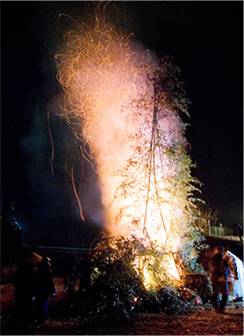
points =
(205, 321)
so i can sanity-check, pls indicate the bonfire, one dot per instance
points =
(126, 108)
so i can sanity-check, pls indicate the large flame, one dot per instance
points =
(114, 100)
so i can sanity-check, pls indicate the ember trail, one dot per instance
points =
(125, 104)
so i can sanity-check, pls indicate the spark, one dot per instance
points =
(52, 143)
(76, 195)
(121, 104)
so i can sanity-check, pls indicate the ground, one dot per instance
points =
(204, 321)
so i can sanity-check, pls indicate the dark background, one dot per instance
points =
(205, 41)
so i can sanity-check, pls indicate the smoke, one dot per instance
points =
(125, 103)
(49, 208)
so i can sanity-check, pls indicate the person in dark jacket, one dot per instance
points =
(23, 287)
(43, 288)
(33, 285)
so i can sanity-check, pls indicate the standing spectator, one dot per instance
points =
(238, 280)
(220, 269)
(238, 231)
(43, 288)
(24, 288)
(33, 285)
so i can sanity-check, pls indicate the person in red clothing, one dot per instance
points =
(220, 269)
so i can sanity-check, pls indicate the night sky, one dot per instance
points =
(205, 41)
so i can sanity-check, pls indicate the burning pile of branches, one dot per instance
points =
(117, 288)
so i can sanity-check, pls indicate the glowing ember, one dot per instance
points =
(118, 99)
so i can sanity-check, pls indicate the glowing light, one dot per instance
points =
(52, 143)
(76, 195)
(116, 102)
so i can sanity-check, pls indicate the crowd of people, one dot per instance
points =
(34, 283)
